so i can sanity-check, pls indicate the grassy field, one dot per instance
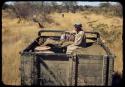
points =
(16, 36)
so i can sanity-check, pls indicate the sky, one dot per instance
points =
(81, 3)
(92, 3)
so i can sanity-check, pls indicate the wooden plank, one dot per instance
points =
(89, 69)
(26, 69)
(54, 72)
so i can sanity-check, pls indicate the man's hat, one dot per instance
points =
(78, 25)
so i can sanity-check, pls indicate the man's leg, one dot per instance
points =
(70, 49)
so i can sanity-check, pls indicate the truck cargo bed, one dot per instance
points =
(87, 66)
(94, 49)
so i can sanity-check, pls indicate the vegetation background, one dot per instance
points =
(21, 22)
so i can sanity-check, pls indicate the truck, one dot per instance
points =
(92, 65)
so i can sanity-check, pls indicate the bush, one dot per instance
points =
(23, 10)
(111, 36)
(101, 28)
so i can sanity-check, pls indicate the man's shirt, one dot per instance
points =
(79, 38)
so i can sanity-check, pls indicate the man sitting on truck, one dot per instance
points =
(80, 39)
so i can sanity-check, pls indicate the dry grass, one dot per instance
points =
(15, 37)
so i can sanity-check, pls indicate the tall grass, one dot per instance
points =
(16, 37)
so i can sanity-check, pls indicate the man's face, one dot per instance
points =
(76, 29)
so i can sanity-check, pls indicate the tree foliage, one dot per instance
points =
(26, 10)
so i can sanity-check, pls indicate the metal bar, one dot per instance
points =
(106, 49)
(71, 70)
(46, 54)
(95, 57)
(54, 57)
(107, 71)
(38, 70)
(45, 30)
(52, 30)
(39, 33)
(76, 71)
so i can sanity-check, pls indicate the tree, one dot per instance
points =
(23, 10)
(118, 10)
(69, 5)
(113, 10)
(73, 6)
(66, 5)
(102, 5)
(43, 11)
(5, 6)
(54, 6)
(47, 7)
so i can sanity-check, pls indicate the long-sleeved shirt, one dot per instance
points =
(80, 39)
